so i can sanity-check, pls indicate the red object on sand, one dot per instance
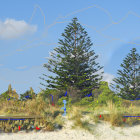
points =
(19, 128)
(100, 116)
(37, 128)
(124, 120)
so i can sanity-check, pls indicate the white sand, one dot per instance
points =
(101, 131)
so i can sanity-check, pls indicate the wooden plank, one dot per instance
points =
(19, 117)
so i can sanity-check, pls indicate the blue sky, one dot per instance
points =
(29, 30)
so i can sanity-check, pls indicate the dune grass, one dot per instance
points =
(115, 115)
(110, 112)
(52, 115)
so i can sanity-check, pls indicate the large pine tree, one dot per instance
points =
(128, 82)
(73, 63)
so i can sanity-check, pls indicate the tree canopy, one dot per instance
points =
(73, 62)
(128, 81)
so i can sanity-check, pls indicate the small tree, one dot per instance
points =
(4, 96)
(10, 88)
(127, 85)
(9, 94)
(29, 94)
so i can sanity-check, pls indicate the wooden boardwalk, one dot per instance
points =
(19, 117)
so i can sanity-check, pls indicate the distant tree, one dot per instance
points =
(29, 94)
(9, 94)
(127, 85)
(73, 63)
(14, 94)
(48, 93)
(4, 96)
(33, 95)
(10, 88)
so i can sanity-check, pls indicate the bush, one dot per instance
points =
(104, 94)
(86, 100)
(69, 102)
(60, 101)
(107, 96)
(46, 94)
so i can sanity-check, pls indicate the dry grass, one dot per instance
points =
(52, 114)
(36, 107)
(115, 115)
(75, 114)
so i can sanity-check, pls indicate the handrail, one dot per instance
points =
(20, 117)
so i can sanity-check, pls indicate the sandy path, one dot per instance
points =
(102, 131)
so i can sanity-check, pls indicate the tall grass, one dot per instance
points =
(75, 114)
(51, 115)
(115, 115)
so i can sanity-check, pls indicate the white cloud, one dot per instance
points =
(11, 29)
(108, 77)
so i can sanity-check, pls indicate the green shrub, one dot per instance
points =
(94, 103)
(69, 102)
(117, 101)
(107, 96)
(86, 100)
(104, 94)
(60, 101)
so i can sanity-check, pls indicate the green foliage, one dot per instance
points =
(74, 64)
(86, 100)
(9, 94)
(4, 96)
(104, 94)
(60, 101)
(46, 95)
(29, 93)
(128, 80)
(43, 97)
(69, 102)
(104, 97)
(103, 87)
(107, 96)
